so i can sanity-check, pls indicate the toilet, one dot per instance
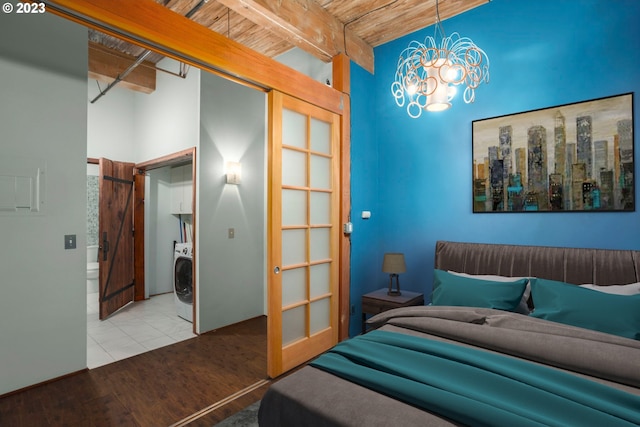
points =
(92, 268)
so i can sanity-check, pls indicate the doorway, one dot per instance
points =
(152, 321)
(226, 257)
(164, 220)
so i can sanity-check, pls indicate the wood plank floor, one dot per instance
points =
(158, 388)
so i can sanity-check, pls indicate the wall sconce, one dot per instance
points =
(393, 264)
(233, 171)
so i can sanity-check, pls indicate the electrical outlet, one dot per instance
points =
(353, 309)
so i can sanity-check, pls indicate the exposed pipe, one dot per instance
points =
(196, 8)
(122, 75)
(182, 74)
(141, 58)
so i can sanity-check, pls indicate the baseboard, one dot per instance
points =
(30, 387)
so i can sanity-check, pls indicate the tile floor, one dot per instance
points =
(139, 327)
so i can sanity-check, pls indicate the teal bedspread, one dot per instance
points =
(476, 387)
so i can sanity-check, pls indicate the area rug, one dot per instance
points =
(248, 417)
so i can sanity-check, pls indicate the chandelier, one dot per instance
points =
(428, 74)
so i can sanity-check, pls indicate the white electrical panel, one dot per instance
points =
(22, 185)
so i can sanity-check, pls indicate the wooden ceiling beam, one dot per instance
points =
(106, 64)
(408, 16)
(307, 25)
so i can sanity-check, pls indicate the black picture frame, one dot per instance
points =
(575, 157)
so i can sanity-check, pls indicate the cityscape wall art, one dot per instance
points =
(569, 158)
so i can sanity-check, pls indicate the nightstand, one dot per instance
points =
(378, 301)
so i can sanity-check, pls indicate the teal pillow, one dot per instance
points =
(572, 305)
(451, 289)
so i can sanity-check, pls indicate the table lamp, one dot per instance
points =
(393, 264)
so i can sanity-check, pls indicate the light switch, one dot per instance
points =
(70, 241)
(232, 233)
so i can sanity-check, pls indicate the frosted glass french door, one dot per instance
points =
(303, 232)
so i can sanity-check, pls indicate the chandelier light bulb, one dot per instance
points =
(438, 96)
(454, 74)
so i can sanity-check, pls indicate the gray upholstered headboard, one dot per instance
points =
(571, 265)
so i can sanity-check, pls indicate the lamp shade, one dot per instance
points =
(393, 263)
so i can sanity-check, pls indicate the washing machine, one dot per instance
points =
(183, 280)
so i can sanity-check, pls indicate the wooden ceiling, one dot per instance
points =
(322, 28)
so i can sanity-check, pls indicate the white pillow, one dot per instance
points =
(630, 289)
(523, 307)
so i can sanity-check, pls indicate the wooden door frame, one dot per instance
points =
(342, 83)
(186, 41)
(177, 158)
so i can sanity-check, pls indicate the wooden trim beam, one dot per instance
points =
(180, 157)
(153, 26)
(138, 235)
(106, 64)
(342, 82)
(307, 25)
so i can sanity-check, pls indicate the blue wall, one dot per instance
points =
(414, 175)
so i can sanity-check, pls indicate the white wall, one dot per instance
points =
(219, 118)
(111, 123)
(43, 115)
(168, 120)
(307, 64)
(231, 273)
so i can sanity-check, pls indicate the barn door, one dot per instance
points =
(116, 285)
(303, 232)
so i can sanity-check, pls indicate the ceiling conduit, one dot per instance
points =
(140, 58)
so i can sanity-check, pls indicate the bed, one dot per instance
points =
(511, 339)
